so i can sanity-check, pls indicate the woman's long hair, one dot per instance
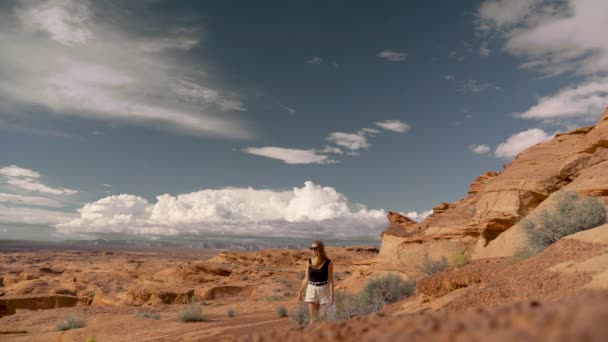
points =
(322, 255)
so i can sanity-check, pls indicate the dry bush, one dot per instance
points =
(430, 266)
(571, 213)
(71, 322)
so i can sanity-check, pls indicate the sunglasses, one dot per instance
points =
(313, 248)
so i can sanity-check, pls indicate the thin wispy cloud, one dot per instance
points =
(345, 144)
(479, 149)
(394, 125)
(290, 155)
(351, 141)
(61, 59)
(392, 56)
(315, 60)
(29, 200)
(26, 179)
(555, 40)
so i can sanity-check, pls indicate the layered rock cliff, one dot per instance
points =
(480, 223)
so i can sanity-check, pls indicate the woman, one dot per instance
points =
(319, 280)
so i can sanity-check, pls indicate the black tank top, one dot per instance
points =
(318, 275)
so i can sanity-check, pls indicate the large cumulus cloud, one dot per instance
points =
(300, 212)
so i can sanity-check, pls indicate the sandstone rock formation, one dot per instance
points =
(484, 223)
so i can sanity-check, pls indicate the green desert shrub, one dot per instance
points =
(430, 266)
(461, 259)
(388, 289)
(281, 311)
(191, 313)
(377, 292)
(345, 306)
(71, 322)
(571, 213)
(243, 278)
(230, 312)
(273, 298)
(148, 315)
(300, 315)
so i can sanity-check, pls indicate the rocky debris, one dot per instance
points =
(573, 319)
(442, 283)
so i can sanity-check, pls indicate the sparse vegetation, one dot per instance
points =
(300, 315)
(461, 259)
(388, 289)
(430, 266)
(376, 293)
(243, 278)
(301, 275)
(230, 312)
(148, 315)
(273, 298)
(91, 339)
(192, 313)
(571, 213)
(72, 322)
(281, 311)
(345, 306)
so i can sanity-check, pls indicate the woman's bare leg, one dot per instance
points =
(312, 311)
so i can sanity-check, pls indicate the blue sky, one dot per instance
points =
(277, 118)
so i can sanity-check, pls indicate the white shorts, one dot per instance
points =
(317, 294)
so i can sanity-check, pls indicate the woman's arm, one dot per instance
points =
(330, 279)
(304, 284)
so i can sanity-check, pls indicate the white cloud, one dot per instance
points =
(289, 155)
(331, 149)
(179, 43)
(65, 21)
(315, 60)
(414, 215)
(558, 38)
(394, 125)
(392, 56)
(33, 215)
(520, 141)
(195, 92)
(479, 149)
(28, 180)
(449, 77)
(301, 212)
(369, 131)
(584, 101)
(83, 67)
(502, 14)
(351, 141)
(29, 200)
